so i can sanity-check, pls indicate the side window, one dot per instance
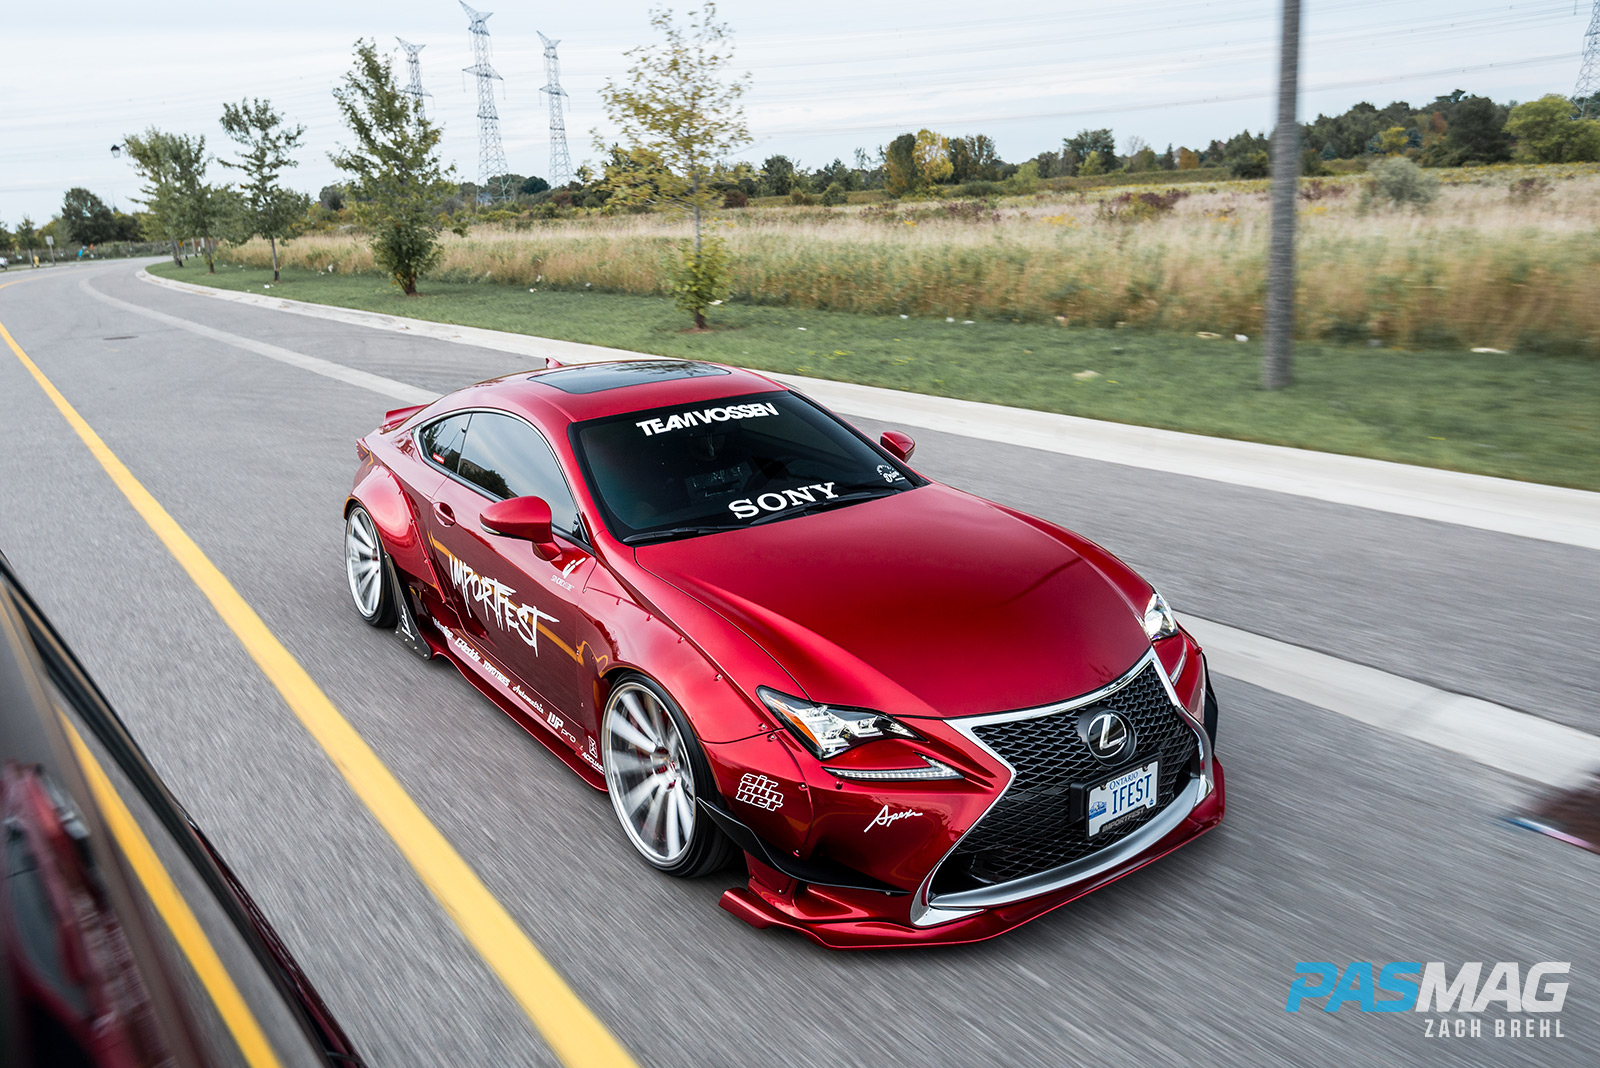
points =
(441, 441)
(508, 458)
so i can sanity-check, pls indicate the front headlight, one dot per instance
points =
(1159, 621)
(829, 731)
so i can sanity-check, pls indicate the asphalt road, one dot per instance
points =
(1342, 843)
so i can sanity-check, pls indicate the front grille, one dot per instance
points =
(1031, 829)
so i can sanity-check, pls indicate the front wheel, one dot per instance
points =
(363, 568)
(655, 771)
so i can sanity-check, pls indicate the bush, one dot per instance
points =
(1528, 190)
(833, 195)
(699, 279)
(736, 198)
(1251, 165)
(800, 198)
(1139, 207)
(1399, 183)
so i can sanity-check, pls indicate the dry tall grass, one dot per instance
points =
(1486, 265)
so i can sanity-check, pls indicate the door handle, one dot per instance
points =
(444, 514)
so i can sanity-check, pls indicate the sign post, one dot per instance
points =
(49, 239)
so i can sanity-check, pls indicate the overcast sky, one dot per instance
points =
(828, 76)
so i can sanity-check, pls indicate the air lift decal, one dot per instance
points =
(748, 508)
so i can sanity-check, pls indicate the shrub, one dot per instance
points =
(1251, 165)
(833, 195)
(1399, 183)
(1139, 207)
(800, 198)
(736, 198)
(699, 279)
(1528, 190)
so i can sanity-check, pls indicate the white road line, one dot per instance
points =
(1525, 509)
(1489, 734)
(388, 387)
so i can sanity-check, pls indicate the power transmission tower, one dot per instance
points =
(493, 182)
(560, 161)
(415, 89)
(1589, 73)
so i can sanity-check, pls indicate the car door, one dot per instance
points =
(517, 605)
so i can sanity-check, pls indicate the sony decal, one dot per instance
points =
(705, 417)
(749, 508)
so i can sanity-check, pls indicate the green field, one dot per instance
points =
(1532, 417)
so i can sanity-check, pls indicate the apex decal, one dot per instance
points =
(493, 599)
(705, 417)
(884, 818)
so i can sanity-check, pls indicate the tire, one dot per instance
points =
(365, 571)
(655, 772)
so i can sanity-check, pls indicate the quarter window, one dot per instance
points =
(441, 441)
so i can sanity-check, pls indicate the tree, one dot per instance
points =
(1075, 151)
(27, 236)
(156, 156)
(271, 210)
(203, 211)
(973, 158)
(1547, 132)
(398, 183)
(678, 117)
(533, 186)
(1188, 159)
(86, 217)
(1092, 166)
(900, 165)
(1476, 132)
(931, 152)
(778, 175)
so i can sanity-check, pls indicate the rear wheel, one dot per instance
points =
(655, 772)
(364, 569)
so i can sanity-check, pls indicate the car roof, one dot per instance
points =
(576, 393)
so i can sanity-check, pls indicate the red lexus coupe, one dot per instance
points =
(919, 716)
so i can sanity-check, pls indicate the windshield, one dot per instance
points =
(728, 463)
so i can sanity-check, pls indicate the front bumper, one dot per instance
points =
(840, 919)
(946, 885)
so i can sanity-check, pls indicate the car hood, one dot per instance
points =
(931, 602)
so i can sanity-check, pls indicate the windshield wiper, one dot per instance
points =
(822, 505)
(672, 532)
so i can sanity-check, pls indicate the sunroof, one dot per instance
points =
(597, 378)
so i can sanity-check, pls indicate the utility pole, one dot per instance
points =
(560, 161)
(1277, 356)
(1589, 73)
(414, 64)
(492, 167)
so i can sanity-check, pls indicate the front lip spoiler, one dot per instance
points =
(816, 871)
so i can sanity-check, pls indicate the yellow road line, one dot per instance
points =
(573, 1032)
(169, 902)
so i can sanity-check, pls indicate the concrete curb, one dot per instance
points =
(1524, 509)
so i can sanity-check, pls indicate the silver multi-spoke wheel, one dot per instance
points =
(649, 774)
(363, 564)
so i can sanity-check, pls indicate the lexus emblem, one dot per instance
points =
(1107, 733)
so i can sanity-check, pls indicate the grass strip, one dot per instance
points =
(1529, 417)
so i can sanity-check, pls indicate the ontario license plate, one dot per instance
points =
(1131, 790)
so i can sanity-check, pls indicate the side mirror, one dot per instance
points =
(527, 518)
(898, 445)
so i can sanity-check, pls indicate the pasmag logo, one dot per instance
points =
(1454, 1004)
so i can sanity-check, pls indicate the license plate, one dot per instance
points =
(1129, 791)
